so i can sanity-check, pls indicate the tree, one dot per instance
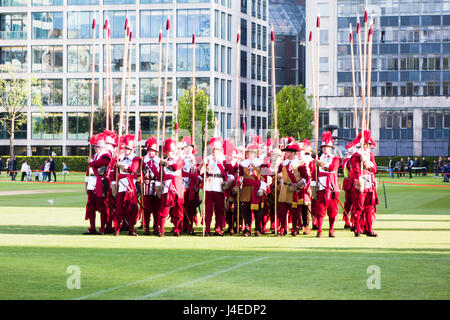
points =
(185, 113)
(14, 96)
(295, 114)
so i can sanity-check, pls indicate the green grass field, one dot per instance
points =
(41, 239)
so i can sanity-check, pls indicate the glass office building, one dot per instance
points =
(52, 40)
(410, 80)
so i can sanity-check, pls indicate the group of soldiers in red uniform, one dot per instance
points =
(239, 186)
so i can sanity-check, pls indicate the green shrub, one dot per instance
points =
(74, 163)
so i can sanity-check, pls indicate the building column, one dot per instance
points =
(333, 117)
(375, 128)
(417, 132)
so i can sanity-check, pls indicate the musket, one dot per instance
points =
(129, 82)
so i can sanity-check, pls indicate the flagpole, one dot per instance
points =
(275, 116)
(193, 87)
(92, 85)
(159, 87)
(129, 81)
(355, 112)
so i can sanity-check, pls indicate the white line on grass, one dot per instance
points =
(157, 293)
(95, 294)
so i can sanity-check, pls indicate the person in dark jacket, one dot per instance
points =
(13, 168)
(425, 166)
(1, 165)
(391, 166)
(401, 168)
(52, 170)
(416, 164)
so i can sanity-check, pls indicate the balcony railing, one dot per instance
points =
(13, 35)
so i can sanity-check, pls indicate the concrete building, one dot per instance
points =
(410, 86)
(52, 40)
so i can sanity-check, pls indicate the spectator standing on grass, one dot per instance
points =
(13, 168)
(425, 166)
(436, 168)
(24, 169)
(36, 176)
(65, 169)
(52, 169)
(46, 171)
(391, 166)
(1, 165)
(401, 168)
(416, 165)
(446, 172)
(410, 164)
(8, 166)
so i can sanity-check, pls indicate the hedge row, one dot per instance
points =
(74, 163)
(79, 163)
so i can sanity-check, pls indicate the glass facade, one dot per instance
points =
(410, 46)
(54, 44)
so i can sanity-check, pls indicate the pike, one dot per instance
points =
(129, 81)
(369, 78)
(193, 86)
(91, 132)
(159, 87)
(165, 80)
(106, 27)
(236, 119)
(275, 115)
(142, 209)
(355, 112)
(165, 92)
(111, 89)
(204, 173)
(122, 96)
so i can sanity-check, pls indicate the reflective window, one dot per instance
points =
(47, 127)
(184, 84)
(13, 3)
(79, 25)
(193, 21)
(47, 25)
(13, 58)
(117, 91)
(185, 57)
(51, 91)
(82, 2)
(149, 91)
(117, 57)
(117, 21)
(79, 58)
(13, 26)
(149, 57)
(47, 2)
(79, 92)
(47, 59)
(78, 126)
(119, 1)
(154, 21)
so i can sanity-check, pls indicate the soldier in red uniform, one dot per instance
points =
(365, 197)
(216, 177)
(347, 184)
(231, 167)
(152, 175)
(94, 184)
(126, 198)
(111, 145)
(191, 180)
(172, 200)
(305, 157)
(328, 184)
